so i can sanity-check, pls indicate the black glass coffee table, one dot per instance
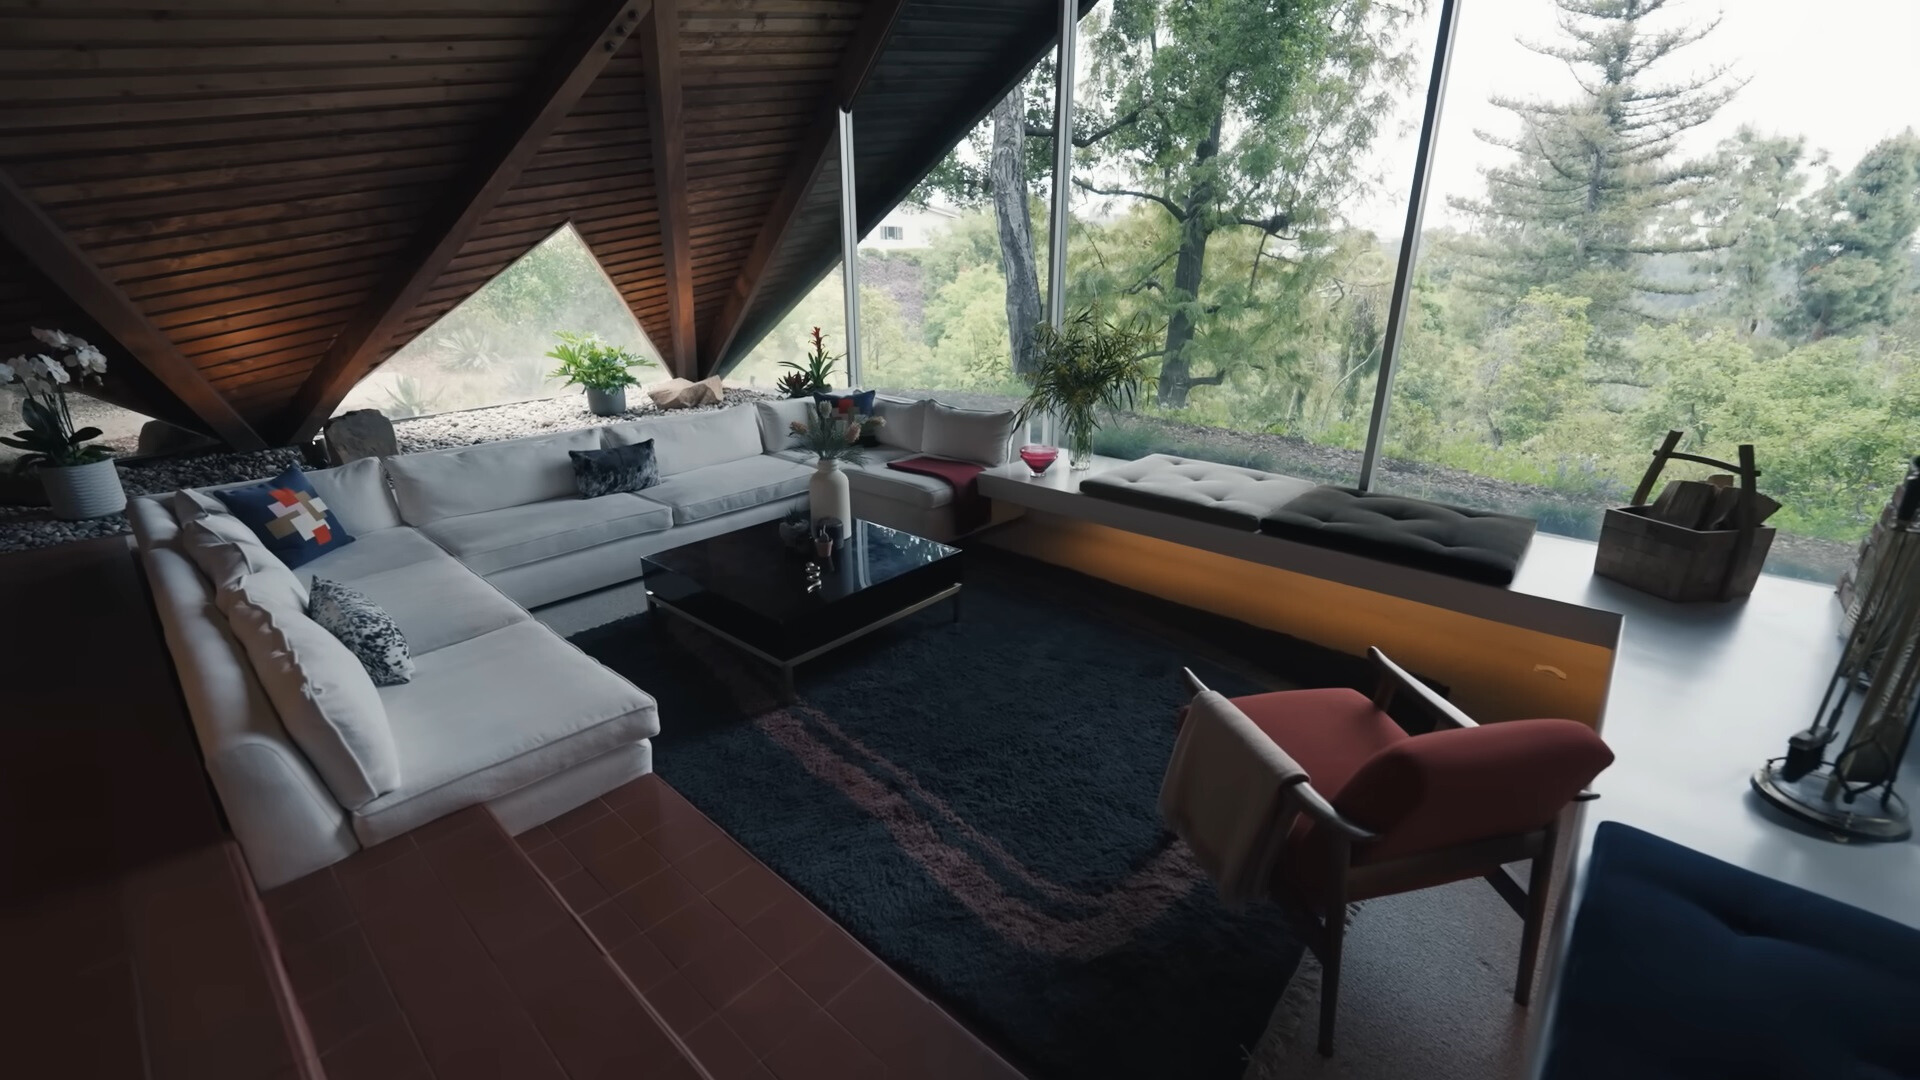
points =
(749, 589)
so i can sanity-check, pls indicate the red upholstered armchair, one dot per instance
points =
(1380, 810)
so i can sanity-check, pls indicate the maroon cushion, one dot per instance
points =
(1461, 785)
(1331, 733)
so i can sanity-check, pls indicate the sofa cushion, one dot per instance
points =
(323, 696)
(684, 443)
(1473, 544)
(365, 629)
(615, 469)
(476, 479)
(226, 551)
(906, 421)
(735, 485)
(1203, 490)
(516, 535)
(190, 505)
(874, 479)
(438, 602)
(374, 553)
(776, 419)
(359, 494)
(967, 434)
(494, 714)
(288, 516)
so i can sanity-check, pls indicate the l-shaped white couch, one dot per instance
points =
(456, 545)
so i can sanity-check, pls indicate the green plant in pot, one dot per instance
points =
(602, 368)
(1083, 371)
(815, 375)
(80, 480)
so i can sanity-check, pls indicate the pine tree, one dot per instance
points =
(1750, 215)
(1855, 270)
(1577, 212)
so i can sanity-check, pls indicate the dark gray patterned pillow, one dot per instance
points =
(617, 468)
(367, 631)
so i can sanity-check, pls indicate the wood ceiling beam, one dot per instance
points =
(566, 75)
(816, 152)
(48, 247)
(666, 125)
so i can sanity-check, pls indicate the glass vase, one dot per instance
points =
(1080, 446)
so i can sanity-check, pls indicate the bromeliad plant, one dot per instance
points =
(816, 374)
(833, 432)
(1085, 369)
(587, 361)
(50, 438)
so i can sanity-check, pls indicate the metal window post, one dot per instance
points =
(1065, 72)
(1409, 242)
(850, 247)
(1066, 65)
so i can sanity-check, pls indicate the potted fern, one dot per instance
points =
(1085, 369)
(602, 368)
(80, 480)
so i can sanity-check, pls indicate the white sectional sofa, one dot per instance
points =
(457, 545)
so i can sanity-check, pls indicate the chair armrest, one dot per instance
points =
(1315, 806)
(1395, 679)
(1312, 803)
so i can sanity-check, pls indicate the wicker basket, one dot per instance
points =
(1680, 564)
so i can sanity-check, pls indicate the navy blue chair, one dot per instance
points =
(1681, 965)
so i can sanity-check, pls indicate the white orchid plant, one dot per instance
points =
(50, 438)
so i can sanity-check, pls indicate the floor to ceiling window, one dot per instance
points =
(952, 281)
(1648, 216)
(1239, 190)
(823, 308)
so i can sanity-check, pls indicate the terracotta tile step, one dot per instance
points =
(444, 954)
(760, 984)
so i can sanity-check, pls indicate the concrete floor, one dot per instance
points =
(1702, 695)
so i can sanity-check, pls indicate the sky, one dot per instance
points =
(1840, 72)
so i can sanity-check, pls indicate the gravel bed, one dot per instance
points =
(23, 528)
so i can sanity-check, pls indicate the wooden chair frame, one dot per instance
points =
(1325, 922)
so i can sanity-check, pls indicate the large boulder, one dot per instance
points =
(362, 433)
(161, 439)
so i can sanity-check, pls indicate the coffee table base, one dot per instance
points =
(786, 666)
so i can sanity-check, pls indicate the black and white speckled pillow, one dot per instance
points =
(617, 468)
(367, 631)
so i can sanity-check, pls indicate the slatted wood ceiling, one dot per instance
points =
(243, 175)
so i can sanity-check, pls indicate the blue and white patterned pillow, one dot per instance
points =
(288, 516)
(367, 631)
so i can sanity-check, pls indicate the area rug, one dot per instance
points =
(975, 801)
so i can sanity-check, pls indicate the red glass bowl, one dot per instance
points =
(1039, 458)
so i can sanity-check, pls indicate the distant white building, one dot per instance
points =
(909, 228)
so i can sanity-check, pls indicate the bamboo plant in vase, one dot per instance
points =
(1082, 371)
(831, 433)
(81, 481)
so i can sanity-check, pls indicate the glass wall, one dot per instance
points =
(1716, 236)
(953, 280)
(825, 308)
(1239, 191)
(491, 350)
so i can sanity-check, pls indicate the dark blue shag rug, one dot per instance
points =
(975, 801)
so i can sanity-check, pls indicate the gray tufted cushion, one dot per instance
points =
(1203, 490)
(1472, 544)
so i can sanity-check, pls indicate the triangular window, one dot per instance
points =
(492, 348)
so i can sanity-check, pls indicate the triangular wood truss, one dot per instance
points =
(258, 203)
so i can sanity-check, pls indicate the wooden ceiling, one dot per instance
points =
(258, 201)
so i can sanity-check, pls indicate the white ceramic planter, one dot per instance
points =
(78, 492)
(607, 402)
(827, 494)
